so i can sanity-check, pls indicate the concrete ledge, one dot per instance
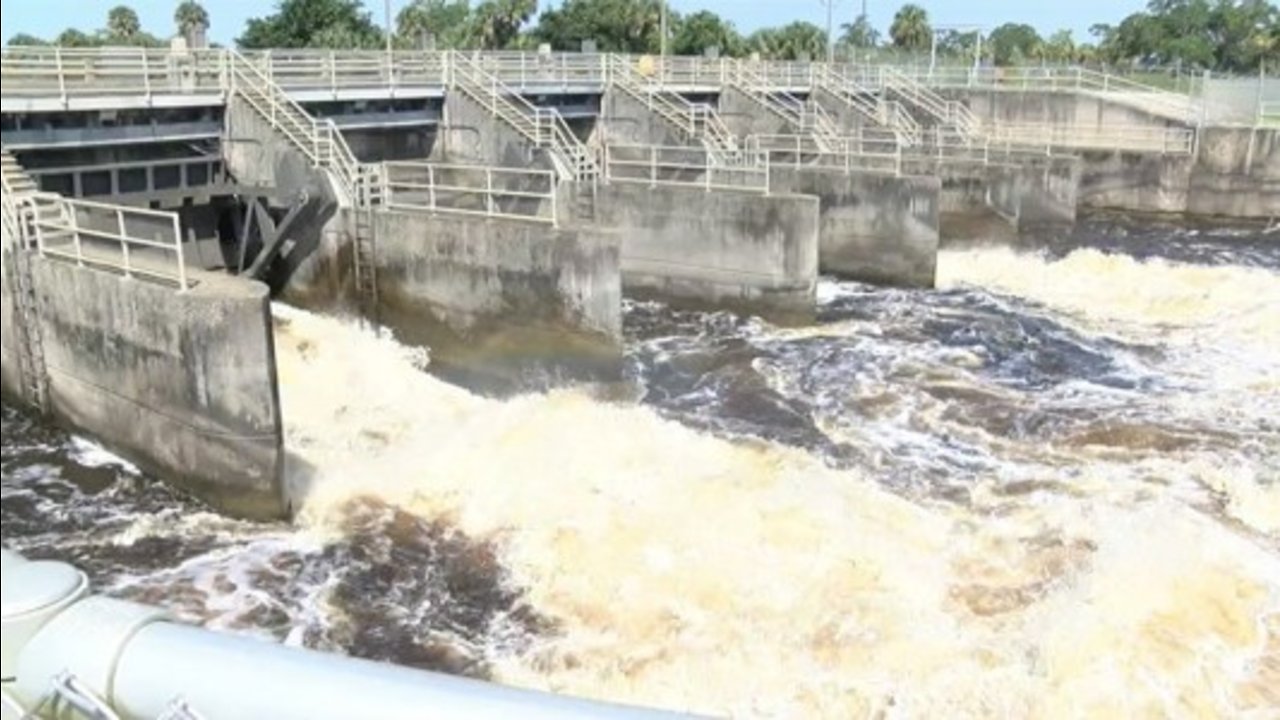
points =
(754, 252)
(497, 298)
(183, 384)
(874, 228)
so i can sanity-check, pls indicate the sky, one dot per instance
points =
(47, 18)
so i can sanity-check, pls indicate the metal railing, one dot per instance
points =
(543, 126)
(655, 165)
(696, 122)
(333, 72)
(945, 112)
(510, 194)
(540, 71)
(135, 242)
(65, 73)
(1269, 114)
(1136, 138)
(319, 140)
(871, 151)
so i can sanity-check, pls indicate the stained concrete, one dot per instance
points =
(625, 120)
(495, 298)
(744, 116)
(1237, 173)
(754, 252)
(182, 384)
(875, 228)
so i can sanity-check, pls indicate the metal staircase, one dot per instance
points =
(807, 118)
(21, 209)
(868, 103)
(318, 140)
(544, 127)
(700, 123)
(947, 114)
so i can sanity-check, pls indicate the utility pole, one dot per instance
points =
(387, 8)
(831, 38)
(662, 51)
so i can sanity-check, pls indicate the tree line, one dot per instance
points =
(1223, 35)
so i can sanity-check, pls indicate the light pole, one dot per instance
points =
(662, 42)
(386, 6)
(831, 40)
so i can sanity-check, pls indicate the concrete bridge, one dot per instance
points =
(497, 206)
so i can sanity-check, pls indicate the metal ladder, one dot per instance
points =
(23, 212)
(372, 191)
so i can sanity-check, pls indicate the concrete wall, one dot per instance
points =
(471, 135)
(496, 297)
(624, 120)
(757, 253)
(846, 117)
(874, 228)
(1060, 108)
(1050, 191)
(1143, 182)
(1237, 173)
(183, 384)
(10, 373)
(257, 156)
(744, 116)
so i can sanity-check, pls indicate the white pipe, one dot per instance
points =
(134, 659)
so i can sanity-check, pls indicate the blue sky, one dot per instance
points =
(47, 18)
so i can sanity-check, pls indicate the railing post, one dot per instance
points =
(431, 187)
(488, 191)
(182, 264)
(62, 75)
(124, 244)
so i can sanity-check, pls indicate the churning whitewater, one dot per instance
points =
(1050, 488)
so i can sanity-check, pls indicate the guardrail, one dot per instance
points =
(42, 72)
(335, 71)
(510, 194)
(655, 165)
(1269, 114)
(133, 241)
(1173, 141)
(872, 151)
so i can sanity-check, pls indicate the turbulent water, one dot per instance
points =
(1050, 488)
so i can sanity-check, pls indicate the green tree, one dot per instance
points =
(791, 42)
(696, 33)
(860, 34)
(1060, 47)
(448, 22)
(911, 29)
(497, 22)
(191, 18)
(1014, 43)
(632, 26)
(123, 23)
(76, 39)
(25, 40)
(312, 23)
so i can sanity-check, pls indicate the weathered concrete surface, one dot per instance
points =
(257, 156)
(497, 297)
(744, 116)
(374, 145)
(183, 384)
(1143, 182)
(755, 252)
(624, 120)
(1237, 173)
(10, 372)
(1067, 108)
(846, 117)
(1050, 192)
(874, 228)
(472, 135)
(979, 200)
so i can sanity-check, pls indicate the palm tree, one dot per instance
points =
(498, 22)
(191, 18)
(123, 23)
(911, 29)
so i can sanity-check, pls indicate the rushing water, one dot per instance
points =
(1050, 488)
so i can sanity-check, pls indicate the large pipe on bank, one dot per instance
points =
(136, 660)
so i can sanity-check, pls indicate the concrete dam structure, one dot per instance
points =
(496, 208)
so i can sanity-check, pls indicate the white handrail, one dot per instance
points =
(514, 194)
(655, 165)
